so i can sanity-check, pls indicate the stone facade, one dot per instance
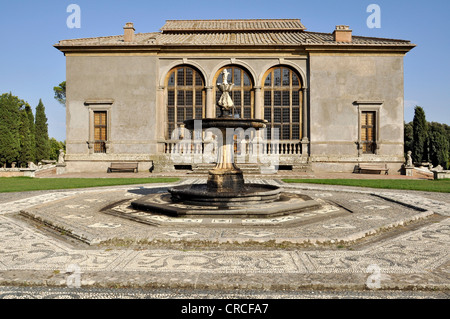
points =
(126, 76)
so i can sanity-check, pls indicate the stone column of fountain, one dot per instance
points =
(226, 176)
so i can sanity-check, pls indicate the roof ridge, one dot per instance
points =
(268, 19)
(232, 24)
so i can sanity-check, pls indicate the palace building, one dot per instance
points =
(336, 99)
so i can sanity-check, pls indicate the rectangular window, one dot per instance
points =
(285, 132)
(247, 98)
(267, 98)
(180, 115)
(100, 131)
(189, 98)
(171, 98)
(198, 112)
(237, 99)
(295, 131)
(286, 115)
(277, 115)
(198, 98)
(180, 98)
(189, 77)
(171, 114)
(247, 112)
(268, 114)
(295, 115)
(368, 132)
(286, 101)
(277, 98)
(189, 114)
(295, 98)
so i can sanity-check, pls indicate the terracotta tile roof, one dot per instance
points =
(249, 33)
(221, 39)
(233, 25)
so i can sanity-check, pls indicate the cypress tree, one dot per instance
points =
(41, 133)
(9, 128)
(30, 115)
(408, 136)
(26, 153)
(420, 136)
(439, 145)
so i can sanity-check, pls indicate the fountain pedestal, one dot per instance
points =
(227, 181)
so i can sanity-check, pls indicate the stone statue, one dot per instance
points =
(32, 165)
(409, 162)
(61, 156)
(225, 102)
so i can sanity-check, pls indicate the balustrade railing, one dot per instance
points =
(283, 147)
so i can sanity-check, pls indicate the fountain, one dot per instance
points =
(225, 192)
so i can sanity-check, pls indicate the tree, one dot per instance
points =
(30, 115)
(408, 136)
(55, 146)
(27, 142)
(420, 136)
(438, 144)
(60, 93)
(41, 133)
(9, 127)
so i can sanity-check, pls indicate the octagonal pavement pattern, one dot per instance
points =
(415, 258)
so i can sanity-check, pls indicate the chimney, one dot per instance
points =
(342, 34)
(128, 32)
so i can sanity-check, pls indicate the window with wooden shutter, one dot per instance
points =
(100, 131)
(368, 132)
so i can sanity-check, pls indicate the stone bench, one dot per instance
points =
(123, 166)
(374, 168)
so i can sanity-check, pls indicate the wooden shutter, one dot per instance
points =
(368, 133)
(100, 131)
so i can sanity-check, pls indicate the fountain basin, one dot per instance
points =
(248, 207)
(201, 194)
(226, 122)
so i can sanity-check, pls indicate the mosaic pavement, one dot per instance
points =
(29, 252)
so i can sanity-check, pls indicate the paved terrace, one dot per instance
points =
(359, 239)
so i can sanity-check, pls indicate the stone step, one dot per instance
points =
(253, 168)
(246, 168)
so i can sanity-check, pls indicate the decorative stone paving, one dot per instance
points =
(415, 258)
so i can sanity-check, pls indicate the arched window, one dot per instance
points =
(185, 96)
(283, 102)
(242, 93)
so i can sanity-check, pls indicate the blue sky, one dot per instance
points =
(30, 66)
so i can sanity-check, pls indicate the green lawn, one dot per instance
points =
(442, 186)
(22, 184)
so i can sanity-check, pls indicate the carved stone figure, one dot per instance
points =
(409, 162)
(225, 102)
(61, 156)
(32, 165)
